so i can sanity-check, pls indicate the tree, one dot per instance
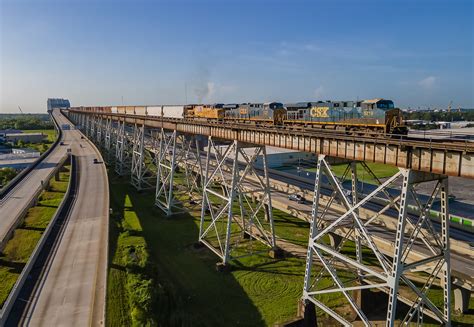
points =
(6, 175)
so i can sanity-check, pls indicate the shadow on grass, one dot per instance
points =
(269, 267)
(39, 229)
(16, 267)
(192, 292)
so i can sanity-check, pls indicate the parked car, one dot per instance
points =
(296, 197)
(61, 143)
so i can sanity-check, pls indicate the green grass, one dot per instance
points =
(259, 291)
(19, 248)
(182, 287)
(380, 170)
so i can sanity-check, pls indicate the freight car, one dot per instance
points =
(369, 117)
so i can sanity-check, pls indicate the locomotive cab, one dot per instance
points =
(384, 111)
(394, 122)
(274, 111)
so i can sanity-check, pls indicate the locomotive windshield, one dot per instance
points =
(385, 104)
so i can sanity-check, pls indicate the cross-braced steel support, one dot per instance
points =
(338, 268)
(109, 139)
(89, 127)
(100, 132)
(122, 150)
(193, 172)
(176, 150)
(165, 171)
(81, 119)
(232, 215)
(142, 178)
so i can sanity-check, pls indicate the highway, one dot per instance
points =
(17, 199)
(70, 290)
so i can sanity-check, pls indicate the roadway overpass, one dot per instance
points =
(419, 161)
(14, 203)
(69, 288)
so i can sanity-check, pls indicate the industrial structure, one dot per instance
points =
(230, 215)
(56, 103)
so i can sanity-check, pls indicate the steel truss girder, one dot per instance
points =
(141, 176)
(122, 150)
(193, 172)
(89, 127)
(109, 140)
(99, 131)
(165, 171)
(175, 150)
(349, 272)
(229, 212)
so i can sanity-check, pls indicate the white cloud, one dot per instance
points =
(319, 92)
(311, 47)
(428, 83)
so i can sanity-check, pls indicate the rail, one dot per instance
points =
(62, 210)
(18, 178)
(394, 139)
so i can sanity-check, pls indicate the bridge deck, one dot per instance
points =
(453, 158)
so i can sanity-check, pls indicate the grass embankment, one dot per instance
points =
(156, 275)
(185, 289)
(46, 144)
(380, 170)
(18, 249)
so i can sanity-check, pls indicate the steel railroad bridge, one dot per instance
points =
(130, 143)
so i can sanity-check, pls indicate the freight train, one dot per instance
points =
(368, 117)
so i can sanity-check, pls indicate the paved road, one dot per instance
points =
(17, 163)
(71, 292)
(16, 201)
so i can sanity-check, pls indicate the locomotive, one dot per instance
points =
(371, 116)
(368, 117)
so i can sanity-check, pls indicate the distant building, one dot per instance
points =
(4, 132)
(26, 151)
(443, 124)
(278, 157)
(58, 104)
(25, 137)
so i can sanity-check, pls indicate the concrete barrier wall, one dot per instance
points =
(29, 204)
(18, 178)
(12, 297)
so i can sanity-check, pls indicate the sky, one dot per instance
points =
(418, 53)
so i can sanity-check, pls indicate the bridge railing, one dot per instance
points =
(14, 293)
(18, 178)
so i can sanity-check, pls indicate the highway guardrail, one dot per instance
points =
(14, 293)
(18, 178)
(29, 204)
